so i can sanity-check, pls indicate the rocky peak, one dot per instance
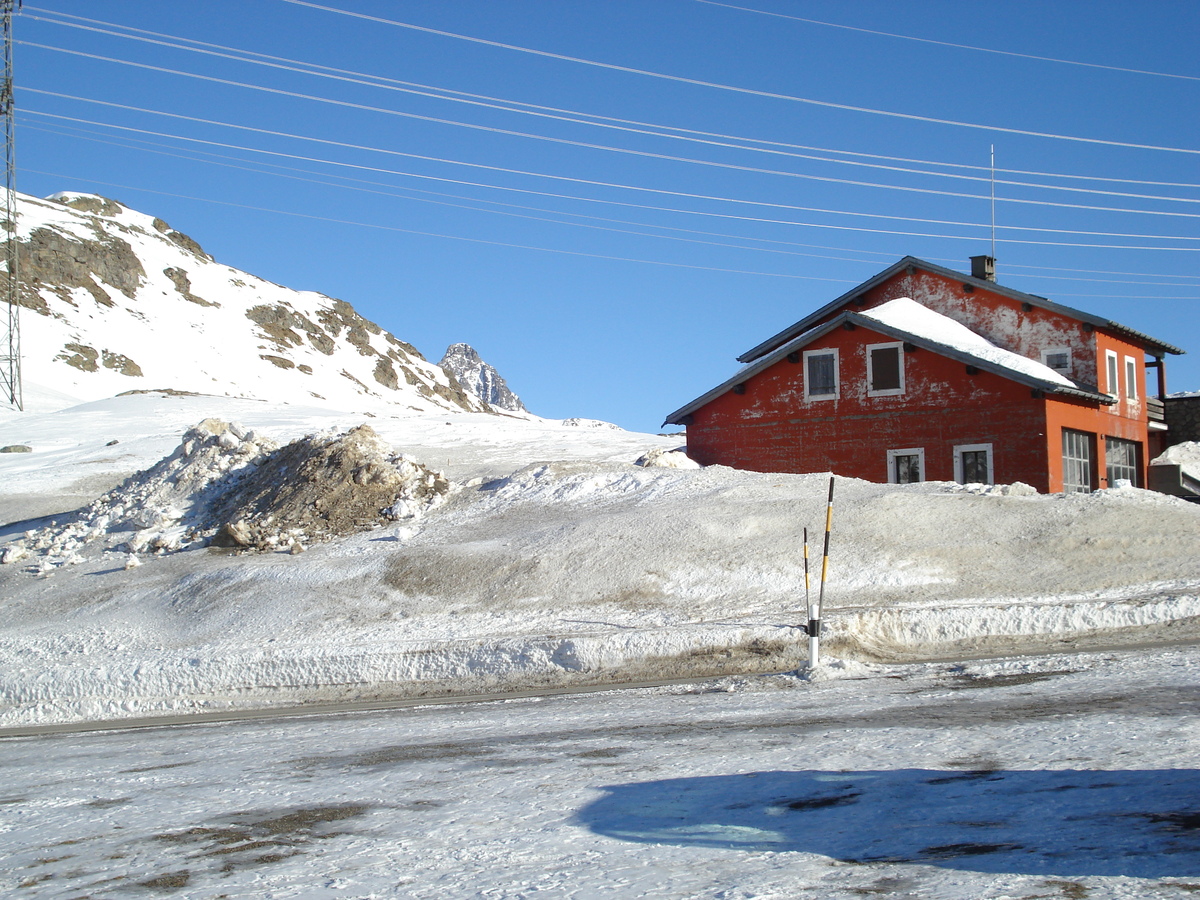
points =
(481, 379)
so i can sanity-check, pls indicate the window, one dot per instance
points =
(821, 375)
(1110, 365)
(1077, 447)
(1058, 359)
(1121, 461)
(1131, 379)
(885, 370)
(973, 464)
(906, 466)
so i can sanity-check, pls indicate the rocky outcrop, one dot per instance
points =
(464, 364)
(50, 259)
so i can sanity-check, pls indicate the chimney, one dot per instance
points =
(983, 267)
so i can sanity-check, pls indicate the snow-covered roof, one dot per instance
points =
(906, 320)
(921, 321)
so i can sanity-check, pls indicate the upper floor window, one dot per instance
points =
(821, 380)
(1110, 371)
(1058, 359)
(885, 369)
(1131, 379)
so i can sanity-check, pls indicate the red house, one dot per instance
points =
(924, 373)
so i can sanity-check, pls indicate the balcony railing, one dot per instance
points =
(1155, 410)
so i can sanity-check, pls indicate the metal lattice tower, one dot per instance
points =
(10, 345)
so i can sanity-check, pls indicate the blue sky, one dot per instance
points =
(699, 174)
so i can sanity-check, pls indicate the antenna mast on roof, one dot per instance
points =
(993, 253)
(10, 362)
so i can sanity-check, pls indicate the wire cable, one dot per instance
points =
(909, 37)
(570, 116)
(772, 95)
(576, 180)
(606, 184)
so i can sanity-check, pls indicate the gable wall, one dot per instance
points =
(995, 317)
(772, 428)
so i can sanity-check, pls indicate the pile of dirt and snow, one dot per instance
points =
(323, 486)
(228, 486)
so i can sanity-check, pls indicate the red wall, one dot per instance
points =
(772, 428)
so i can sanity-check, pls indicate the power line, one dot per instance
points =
(267, 168)
(909, 37)
(660, 156)
(452, 237)
(578, 117)
(592, 182)
(771, 95)
(657, 191)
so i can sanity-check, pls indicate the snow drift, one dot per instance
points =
(578, 570)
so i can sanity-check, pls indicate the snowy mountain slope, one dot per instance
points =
(117, 301)
(464, 363)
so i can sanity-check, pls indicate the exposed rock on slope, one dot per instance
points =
(121, 301)
(463, 363)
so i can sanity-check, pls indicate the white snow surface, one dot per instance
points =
(555, 561)
(1063, 776)
(921, 321)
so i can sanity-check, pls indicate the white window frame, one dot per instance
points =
(919, 452)
(837, 374)
(1111, 387)
(960, 449)
(1131, 379)
(1052, 351)
(887, 392)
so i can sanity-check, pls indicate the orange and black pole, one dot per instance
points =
(814, 610)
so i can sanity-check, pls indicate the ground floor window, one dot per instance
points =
(906, 466)
(973, 464)
(1121, 460)
(1078, 449)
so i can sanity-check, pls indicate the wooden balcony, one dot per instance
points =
(1155, 410)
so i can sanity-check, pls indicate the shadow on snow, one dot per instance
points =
(1134, 823)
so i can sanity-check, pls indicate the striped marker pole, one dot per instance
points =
(814, 612)
(807, 596)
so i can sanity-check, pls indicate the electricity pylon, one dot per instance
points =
(10, 339)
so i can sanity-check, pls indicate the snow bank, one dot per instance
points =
(572, 566)
(1185, 455)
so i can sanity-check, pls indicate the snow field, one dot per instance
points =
(553, 561)
(1056, 777)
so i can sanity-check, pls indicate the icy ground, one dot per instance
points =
(554, 561)
(1054, 777)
